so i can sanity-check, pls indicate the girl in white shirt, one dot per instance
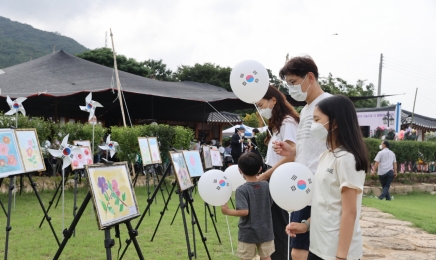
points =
(335, 232)
(282, 124)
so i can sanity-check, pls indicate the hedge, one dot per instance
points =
(405, 151)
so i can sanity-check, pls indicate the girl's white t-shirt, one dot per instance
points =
(335, 170)
(288, 132)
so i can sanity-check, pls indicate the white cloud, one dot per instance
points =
(226, 32)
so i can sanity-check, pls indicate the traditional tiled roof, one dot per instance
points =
(224, 117)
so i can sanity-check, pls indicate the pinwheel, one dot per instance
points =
(66, 152)
(110, 145)
(16, 106)
(91, 105)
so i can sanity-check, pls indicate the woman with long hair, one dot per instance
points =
(282, 124)
(338, 183)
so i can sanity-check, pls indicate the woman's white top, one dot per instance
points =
(288, 132)
(335, 170)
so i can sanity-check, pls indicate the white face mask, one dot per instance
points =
(319, 132)
(266, 112)
(296, 92)
(381, 147)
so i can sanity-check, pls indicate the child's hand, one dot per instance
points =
(295, 228)
(284, 149)
(224, 209)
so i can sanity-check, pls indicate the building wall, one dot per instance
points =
(373, 120)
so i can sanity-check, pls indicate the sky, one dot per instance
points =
(225, 32)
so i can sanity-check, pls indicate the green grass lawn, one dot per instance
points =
(417, 208)
(27, 241)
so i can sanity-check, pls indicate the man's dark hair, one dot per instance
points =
(250, 164)
(386, 143)
(255, 130)
(299, 66)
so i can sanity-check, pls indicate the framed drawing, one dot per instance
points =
(80, 143)
(10, 158)
(216, 158)
(113, 194)
(30, 151)
(193, 162)
(154, 150)
(82, 159)
(181, 170)
(145, 151)
(206, 157)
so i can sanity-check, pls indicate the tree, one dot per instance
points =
(339, 86)
(104, 56)
(205, 73)
(158, 70)
(251, 120)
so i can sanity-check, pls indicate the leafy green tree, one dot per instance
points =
(158, 70)
(360, 89)
(104, 56)
(205, 73)
(251, 120)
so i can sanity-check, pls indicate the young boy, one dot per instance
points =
(253, 204)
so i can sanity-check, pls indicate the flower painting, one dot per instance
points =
(82, 159)
(181, 170)
(154, 150)
(145, 151)
(113, 194)
(10, 158)
(207, 158)
(193, 162)
(216, 158)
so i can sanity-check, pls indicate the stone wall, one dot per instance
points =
(401, 189)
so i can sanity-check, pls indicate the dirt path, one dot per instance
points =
(387, 238)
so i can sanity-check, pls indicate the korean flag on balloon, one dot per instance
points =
(214, 187)
(291, 186)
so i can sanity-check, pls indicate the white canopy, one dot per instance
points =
(248, 130)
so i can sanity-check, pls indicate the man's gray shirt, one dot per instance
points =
(385, 159)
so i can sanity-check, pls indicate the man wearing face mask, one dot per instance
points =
(301, 76)
(237, 143)
(386, 163)
(282, 124)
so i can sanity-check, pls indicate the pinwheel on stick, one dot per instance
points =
(90, 107)
(16, 105)
(110, 146)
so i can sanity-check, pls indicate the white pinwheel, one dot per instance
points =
(66, 152)
(91, 105)
(110, 145)
(16, 106)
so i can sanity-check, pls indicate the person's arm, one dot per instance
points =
(236, 139)
(266, 175)
(284, 149)
(294, 228)
(233, 212)
(348, 219)
(375, 168)
(395, 169)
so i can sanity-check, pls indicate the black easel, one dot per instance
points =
(108, 242)
(149, 202)
(8, 214)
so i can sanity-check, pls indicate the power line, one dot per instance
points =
(413, 75)
(410, 66)
(412, 69)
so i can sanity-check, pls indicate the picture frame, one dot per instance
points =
(82, 159)
(30, 150)
(216, 158)
(154, 150)
(181, 170)
(80, 143)
(10, 157)
(206, 157)
(193, 161)
(145, 151)
(113, 194)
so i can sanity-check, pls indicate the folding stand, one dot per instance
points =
(8, 214)
(108, 242)
(149, 202)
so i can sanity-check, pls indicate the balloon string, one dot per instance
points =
(289, 237)
(263, 120)
(230, 236)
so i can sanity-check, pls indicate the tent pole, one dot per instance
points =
(118, 80)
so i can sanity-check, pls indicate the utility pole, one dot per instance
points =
(413, 112)
(379, 80)
(105, 40)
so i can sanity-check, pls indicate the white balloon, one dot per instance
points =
(249, 81)
(214, 188)
(291, 186)
(235, 177)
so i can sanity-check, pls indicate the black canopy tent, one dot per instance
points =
(56, 85)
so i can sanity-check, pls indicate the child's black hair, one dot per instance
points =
(250, 164)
